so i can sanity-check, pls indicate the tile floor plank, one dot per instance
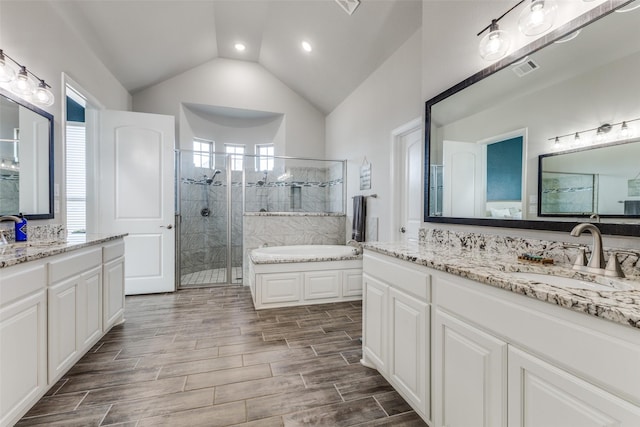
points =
(205, 357)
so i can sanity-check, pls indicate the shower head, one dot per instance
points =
(213, 177)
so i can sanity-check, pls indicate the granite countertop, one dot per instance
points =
(294, 214)
(494, 269)
(301, 257)
(17, 253)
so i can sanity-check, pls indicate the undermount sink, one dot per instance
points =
(607, 284)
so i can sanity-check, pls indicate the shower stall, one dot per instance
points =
(214, 190)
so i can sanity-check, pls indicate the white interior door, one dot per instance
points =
(411, 185)
(463, 179)
(136, 195)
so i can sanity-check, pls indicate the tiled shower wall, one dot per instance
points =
(306, 189)
(9, 196)
(204, 238)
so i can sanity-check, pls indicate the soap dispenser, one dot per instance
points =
(21, 229)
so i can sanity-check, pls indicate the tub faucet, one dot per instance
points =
(3, 239)
(357, 245)
(596, 261)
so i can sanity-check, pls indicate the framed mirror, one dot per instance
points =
(26, 159)
(486, 137)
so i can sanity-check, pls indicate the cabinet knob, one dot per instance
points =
(403, 229)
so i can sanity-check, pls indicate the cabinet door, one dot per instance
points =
(89, 308)
(469, 375)
(23, 355)
(542, 395)
(322, 285)
(63, 324)
(279, 287)
(113, 293)
(352, 283)
(408, 350)
(374, 323)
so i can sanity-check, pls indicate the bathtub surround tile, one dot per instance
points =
(273, 378)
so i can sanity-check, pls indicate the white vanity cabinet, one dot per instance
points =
(52, 310)
(499, 359)
(113, 284)
(75, 307)
(396, 332)
(470, 375)
(23, 338)
(542, 395)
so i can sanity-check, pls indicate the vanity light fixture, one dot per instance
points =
(537, 17)
(602, 133)
(6, 72)
(495, 44)
(21, 84)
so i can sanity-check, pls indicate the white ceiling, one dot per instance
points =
(144, 42)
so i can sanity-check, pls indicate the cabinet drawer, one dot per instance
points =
(21, 280)
(412, 279)
(74, 264)
(113, 250)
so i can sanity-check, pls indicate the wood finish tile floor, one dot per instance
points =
(205, 357)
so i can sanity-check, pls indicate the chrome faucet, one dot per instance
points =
(3, 239)
(357, 245)
(596, 262)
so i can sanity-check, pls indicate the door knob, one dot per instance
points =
(403, 229)
(168, 227)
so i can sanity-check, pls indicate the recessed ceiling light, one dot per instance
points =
(306, 46)
(240, 47)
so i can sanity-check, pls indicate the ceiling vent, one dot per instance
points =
(349, 6)
(525, 68)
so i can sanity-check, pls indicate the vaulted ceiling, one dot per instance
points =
(144, 42)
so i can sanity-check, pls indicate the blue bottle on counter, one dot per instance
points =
(21, 229)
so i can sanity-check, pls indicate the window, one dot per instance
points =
(76, 177)
(237, 155)
(202, 153)
(264, 157)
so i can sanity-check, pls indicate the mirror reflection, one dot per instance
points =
(603, 180)
(25, 159)
(565, 88)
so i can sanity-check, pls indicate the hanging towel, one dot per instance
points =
(359, 218)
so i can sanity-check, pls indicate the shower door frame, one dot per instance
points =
(178, 216)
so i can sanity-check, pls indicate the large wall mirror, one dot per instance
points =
(26, 159)
(501, 146)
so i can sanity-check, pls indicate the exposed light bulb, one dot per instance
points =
(7, 73)
(42, 95)
(537, 17)
(576, 139)
(306, 46)
(240, 47)
(556, 142)
(495, 44)
(22, 85)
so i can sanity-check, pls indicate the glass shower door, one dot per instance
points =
(203, 213)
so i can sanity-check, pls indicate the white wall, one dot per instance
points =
(36, 35)
(227, 130)
(243, 85)
(362, 124)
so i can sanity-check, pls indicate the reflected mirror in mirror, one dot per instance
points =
(601, 180)
(555, 91)
(26, 159)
